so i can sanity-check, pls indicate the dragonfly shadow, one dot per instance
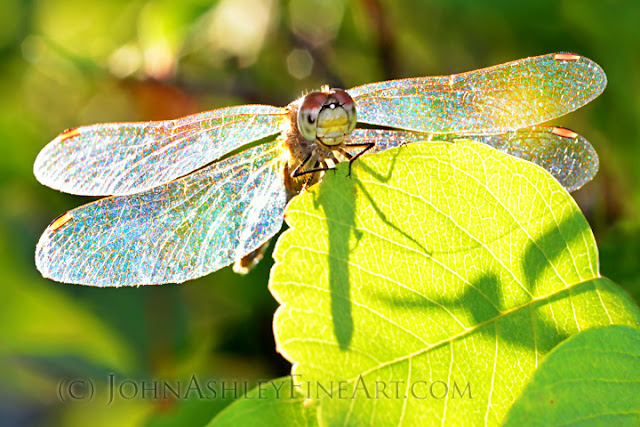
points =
(384, 178)
(336, 196)
(337, 202)
(540, 255)
(484, 305)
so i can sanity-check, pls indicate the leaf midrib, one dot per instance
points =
(470, 330)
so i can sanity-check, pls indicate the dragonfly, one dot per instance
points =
(189, 196)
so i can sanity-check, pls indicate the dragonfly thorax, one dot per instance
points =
(327, 116)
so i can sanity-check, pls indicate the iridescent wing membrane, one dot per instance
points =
(492, 100)
(175, 232)
(567, 156)
(175, 228)
(497, 106)
(126, 158)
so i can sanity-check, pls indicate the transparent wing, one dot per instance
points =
(126, 158)
(172, 233)
(491, 100)
(567, 156)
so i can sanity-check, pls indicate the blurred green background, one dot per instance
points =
(65, 63)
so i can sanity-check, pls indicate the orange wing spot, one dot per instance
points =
(565, 57)
(69, 133)
(60, 221)
(563, 132)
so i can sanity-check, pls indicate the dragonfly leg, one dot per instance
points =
(315, 168)
(345, 153)
(352, 158)
(298, 172)
(335, 161)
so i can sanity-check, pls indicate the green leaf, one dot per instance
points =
(276, 402)
(593, 378)
(441, 272)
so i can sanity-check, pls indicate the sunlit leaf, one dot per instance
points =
(441, 272)
(592, 378)
(277, 402)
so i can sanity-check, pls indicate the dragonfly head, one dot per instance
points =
(327, 116)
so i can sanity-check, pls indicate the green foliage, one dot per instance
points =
(65, 63)
(277, 402)
(488, 265)
(591, 378)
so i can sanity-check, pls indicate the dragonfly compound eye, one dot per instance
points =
(308, 114)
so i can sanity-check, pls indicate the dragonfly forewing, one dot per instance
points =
(126, 158)
(176, 232)
(492, 100)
